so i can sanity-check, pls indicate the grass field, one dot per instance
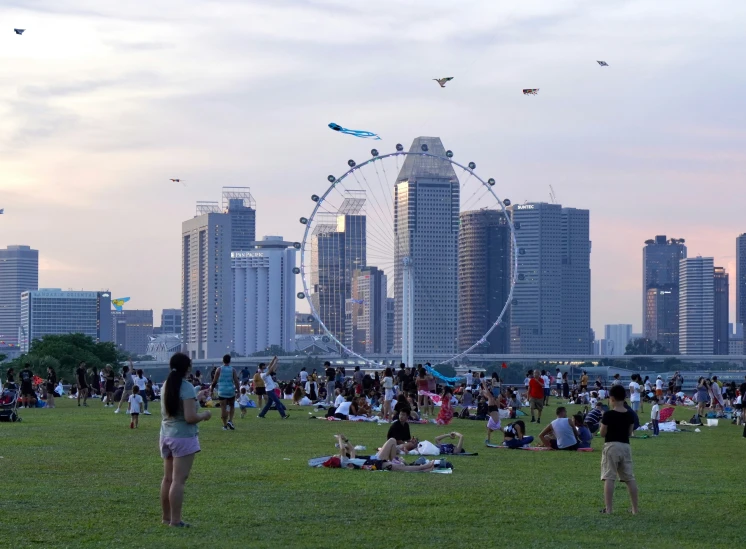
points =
(79, 477)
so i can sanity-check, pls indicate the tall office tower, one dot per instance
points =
(575, 332)
(170, 321)
(484, 269)
(696, 306)
(660, 290)
(19, 272)
(551, 305)
(264, 296)
(735, 339)
(426, 225)
(132, 329)
(241, 207)
(365, 312)
(721, 289)
(338, 247)
(390, 309)
(617, 336)
(206, 291)
(741, 279)
(54, 312)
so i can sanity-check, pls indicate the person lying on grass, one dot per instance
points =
(387, 458)
(514, 435)
(399, 431)
(448, 448)
(561, 434)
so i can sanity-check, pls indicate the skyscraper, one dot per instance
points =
(721, 290)
(741, 279)
(696, 305)
(264, 296)
(240, 206)
(616, 337)
(426, 219)
(390, 308)
(484, 269)
(19, 272)
(132, 329)
(54, 312)
(365, 312)
(170, 321)
(551, 305)
(660, 272)
(338, 247)
(206, 292)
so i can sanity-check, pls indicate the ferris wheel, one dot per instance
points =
(400, 255)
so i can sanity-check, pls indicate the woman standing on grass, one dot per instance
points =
(51, 385)
(178, 441)
(110, 378)
(388, 397)
(703, 394)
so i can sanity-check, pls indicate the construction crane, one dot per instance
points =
(552, 196)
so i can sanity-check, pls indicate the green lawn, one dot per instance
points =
(77, 477)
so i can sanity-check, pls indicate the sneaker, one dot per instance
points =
(225, 428)
(538, 420)
(260, 417)
(286, 416)
(116, 411)
(147, 413)
(230, 426)
(533, 420)
(85, 404)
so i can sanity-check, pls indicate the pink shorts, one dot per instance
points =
(172, 447)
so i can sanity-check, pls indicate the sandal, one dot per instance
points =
(181, 524)
(603, 511)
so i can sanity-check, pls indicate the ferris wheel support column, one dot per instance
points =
(407, 330)
(410, 339)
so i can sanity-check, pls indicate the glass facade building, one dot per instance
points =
(19, 272)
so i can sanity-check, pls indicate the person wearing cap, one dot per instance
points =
(659, 387)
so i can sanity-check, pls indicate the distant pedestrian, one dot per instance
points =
(81, 376)
(128, 383)
(330, 374)
(226, 381)
(141, 382)
(259, 389)
(51, 386)
(655, 416)
(28, 395)
(134, 407)
(272, 397)
(110, 385)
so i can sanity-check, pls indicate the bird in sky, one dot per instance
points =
(19, 31)
(603, 63)
(442, 81)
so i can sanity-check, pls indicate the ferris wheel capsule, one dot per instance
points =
(424, 147)
(506, 202)
(303, 220)
(521, 276)
(399, 147)
(374, 152)
(472, 165)
(296, 270)
(517, 225)
(491, 182)
(351, 163)
(521, 251)
(301, 295)
(331, 178)
(315, 197)
(296, 245)
(449, 153)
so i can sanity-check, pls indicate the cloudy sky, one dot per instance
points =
(102, 102)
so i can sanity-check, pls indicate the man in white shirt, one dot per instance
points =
(272, 397)
(634, 393)
(469, 379)
(655, 417)
(547, 386)
(303, 376)
(561, 434)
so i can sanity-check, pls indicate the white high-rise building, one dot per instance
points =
(19, 272)
(264, 296)
(617, 336)
(426, 225)
(365, 313)
(206, 286)
(696, 305)
(54, 312)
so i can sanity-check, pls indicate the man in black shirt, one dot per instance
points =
(330, 373)
(616, 460)
(26, 377)
(399, 431)
(80, 374)
(402, 377)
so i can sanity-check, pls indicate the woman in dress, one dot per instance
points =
(703, 394)
(51, 386)
(388, 397)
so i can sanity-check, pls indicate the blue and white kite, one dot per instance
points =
(356, 133)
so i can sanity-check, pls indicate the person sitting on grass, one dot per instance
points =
(584, 433)
(561, 434)
(448, 448)
(616, 460)
(514, 435)
(399, 431)
(343, 410)
(445, 416)
(593, 419)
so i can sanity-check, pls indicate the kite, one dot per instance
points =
(356, 133)
(178, 181)
(603, 63)
(449, 380)
(19, 31)
(442, 81)
(531, 91)
(119, 302)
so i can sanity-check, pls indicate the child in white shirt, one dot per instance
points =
(655, 416)
(134, 405)
(243, 402)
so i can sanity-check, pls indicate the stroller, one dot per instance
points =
(9, 406)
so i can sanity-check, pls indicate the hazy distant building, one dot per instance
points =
(170, 322)
(390, 309)
(206, 286)
(19, 272)
(338, 247)
(736, 339)
(54, 312)
(241, 207)
(603, 347)
(741, 279)
(132, 329)
(365, 312)
(264, 296)
(484, 269)
(721, 290)
(660, 308)
(696, 306)
(426, 226)
(617, 337)
(551, 300)
(306, 324)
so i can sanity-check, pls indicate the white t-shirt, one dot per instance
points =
(388, 383)
(593, 402)
(658, 384)
(563, 432)
(648, 387)
(469, 379)
(602, 394)
(338, 401)
(140, 381)
(343, 408)
(634, 392)
(545, 379)
(135, 404)
(525, 382)
(654, 412)
(269, 383)
(303, 376)
(243, 400)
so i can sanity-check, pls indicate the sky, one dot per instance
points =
(101, 103)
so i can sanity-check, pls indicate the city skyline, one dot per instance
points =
(95, 131)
